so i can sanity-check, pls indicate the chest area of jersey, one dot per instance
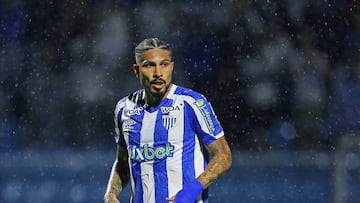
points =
(142, 126)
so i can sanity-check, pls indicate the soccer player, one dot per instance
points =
(164, 135)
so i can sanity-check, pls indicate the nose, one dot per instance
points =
(157, 71)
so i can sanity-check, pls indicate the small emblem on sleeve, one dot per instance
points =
(206, 113)
(128, 124)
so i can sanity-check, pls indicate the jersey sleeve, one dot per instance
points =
(206, 125)
(119, 137)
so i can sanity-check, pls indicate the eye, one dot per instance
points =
(146, 65)
(164, 64)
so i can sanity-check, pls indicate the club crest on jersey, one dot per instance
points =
(205, 111)
(168, 121)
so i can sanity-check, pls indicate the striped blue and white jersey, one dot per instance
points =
(165, 142)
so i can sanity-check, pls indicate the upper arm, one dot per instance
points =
(122, 154)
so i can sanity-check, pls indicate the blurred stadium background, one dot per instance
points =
(283, 77)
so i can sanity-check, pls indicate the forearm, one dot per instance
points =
(219, 164)
(120, 174)
(115, 184)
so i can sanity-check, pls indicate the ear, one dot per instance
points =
(136, 70)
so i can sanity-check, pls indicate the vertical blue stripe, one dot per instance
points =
(160, 170)
(136, 171)
(188, 166)
(134, 139)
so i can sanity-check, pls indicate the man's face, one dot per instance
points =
(155, 72)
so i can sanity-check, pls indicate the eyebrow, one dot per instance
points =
(152, 63)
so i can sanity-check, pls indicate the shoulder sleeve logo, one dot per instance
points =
(206, 113)
(199, 103)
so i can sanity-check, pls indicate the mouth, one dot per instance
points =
(158, 84)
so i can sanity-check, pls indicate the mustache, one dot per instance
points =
(158, 80)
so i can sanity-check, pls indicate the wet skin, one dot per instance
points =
(155, 74)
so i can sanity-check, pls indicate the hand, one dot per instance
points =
(110, 198)
(188, 194)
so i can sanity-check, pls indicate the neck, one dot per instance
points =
(154, 100)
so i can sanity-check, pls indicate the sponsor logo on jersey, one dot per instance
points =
(136, 111)
(128, 124)
(205, 111)
(151, 153)
(168, 121)
(168, 109)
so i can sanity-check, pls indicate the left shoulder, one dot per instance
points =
(188, 93)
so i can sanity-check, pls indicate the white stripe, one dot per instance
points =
(166, 122)
(171, 92)
(219, 135)
(174, 164)
(199, 160)
(119, 105)
(126, 104)
(147, 173)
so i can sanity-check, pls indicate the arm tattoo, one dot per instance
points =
(219, 164)
(115, 184)
(120, 174)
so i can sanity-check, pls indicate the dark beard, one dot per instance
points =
(159, 94)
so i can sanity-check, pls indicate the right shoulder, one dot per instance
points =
(132, 99)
